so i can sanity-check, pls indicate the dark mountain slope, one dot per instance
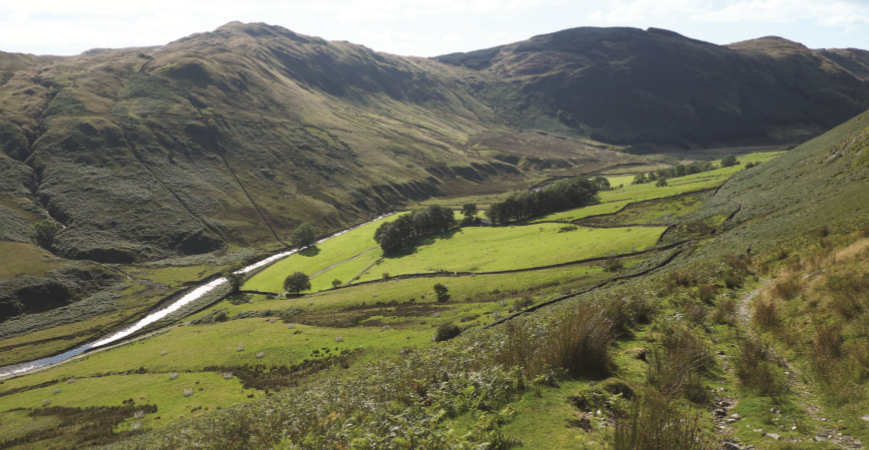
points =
(852, 59)
(629, 86)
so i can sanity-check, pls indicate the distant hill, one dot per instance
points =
(230, 139)
(629, 86)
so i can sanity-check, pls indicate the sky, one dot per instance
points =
(422, 27)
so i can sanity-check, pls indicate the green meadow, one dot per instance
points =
(506, 248)
(316, 258)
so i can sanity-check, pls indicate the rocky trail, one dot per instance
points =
(825, 429)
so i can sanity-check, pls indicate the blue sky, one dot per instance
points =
(423, 27)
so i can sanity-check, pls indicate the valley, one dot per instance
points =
(709, 293)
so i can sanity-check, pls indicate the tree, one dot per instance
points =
(236, 280)
(602, 183)
(469, 210)
(639, 178)
(304, 236)
(728, 161)
(662, 182)
(442, 292)
(336, 282)
(297, 282)
(45, 232)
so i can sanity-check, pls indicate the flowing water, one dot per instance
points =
(157, 315)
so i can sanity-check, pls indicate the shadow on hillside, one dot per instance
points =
(310, 251)
(415, 244)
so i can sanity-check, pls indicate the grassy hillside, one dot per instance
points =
(676, 351)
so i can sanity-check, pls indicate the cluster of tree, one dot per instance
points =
(564, 194)
(675, 172)
(392, 235)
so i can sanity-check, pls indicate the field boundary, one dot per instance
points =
(560, 298)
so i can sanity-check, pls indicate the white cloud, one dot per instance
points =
(834, 13)
(624, 11)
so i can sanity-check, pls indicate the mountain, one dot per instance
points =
(629, 86)
(218, 145)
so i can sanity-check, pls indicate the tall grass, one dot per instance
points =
(655, 422)
(757, 371)
(678, 367)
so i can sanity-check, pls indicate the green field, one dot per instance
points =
(506, 248)
(579, 213)
(315, 259)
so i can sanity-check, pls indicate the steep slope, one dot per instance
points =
(852, 59)
(630, 86)
(234, 137)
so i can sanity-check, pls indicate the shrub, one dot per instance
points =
(612, 264)
(756, 372)
(724, 313)
(765, 315)
(336, 282)
(580, 340)
(446, 332)
(221, 317)
(524, 302)
(568, 228)
(729, 161)
(706, 293)
(683, 278)
(662, 182)
(442, 292)
(696, 313)
(678, 367)
(654, 422)
(297, 282)
(848, 293)
(385, 275)
(825, 353)
(788, 289)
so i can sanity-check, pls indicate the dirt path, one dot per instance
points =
(825, 429)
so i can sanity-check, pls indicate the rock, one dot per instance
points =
(865, 418)
(721, 352)
(775, 436)
(793, 428)
(748, 447)
(819, 439)
(735, 416)
(758, 430)
(730, 421)
(731, 446)
(720, 412)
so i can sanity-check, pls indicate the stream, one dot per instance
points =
(157, 315)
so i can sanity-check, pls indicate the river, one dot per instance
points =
(20, 368)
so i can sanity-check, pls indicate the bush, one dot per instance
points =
(612, 264)
(336, 282)
(654, 422)
(447, 331)
(724, 313)
(297, 282)
(756, 372)
(765, 315)
(787, 289)
(825, 353)
(385, 275)
(678, 368)
(442, 292)
(662, 182)
(580, 340)
(684, 279)
(729, 161)
(706, 293)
